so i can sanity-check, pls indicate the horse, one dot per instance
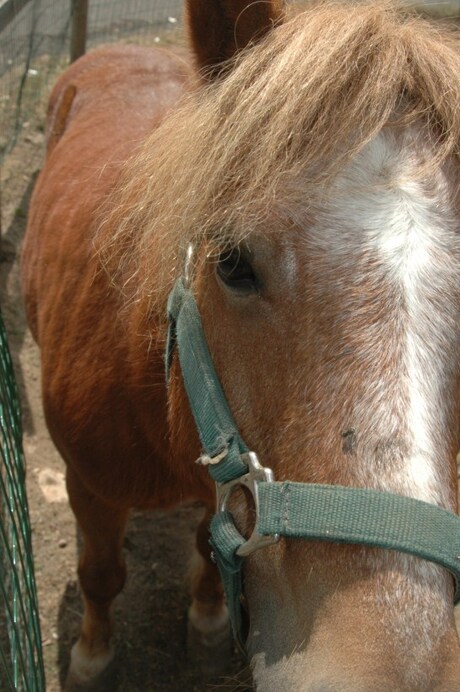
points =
(299, 174)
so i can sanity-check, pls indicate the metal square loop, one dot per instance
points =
(256, 474)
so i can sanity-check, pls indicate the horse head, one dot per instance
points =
(326, 226)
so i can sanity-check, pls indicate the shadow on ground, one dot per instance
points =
(11, 297)
(150, 613)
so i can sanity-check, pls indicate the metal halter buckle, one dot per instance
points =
(188, 265)
(256, 474)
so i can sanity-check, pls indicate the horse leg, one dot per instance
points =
(102, 573)
(209, 636)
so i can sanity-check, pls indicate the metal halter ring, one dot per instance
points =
(256, 474)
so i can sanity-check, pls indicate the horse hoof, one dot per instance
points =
(90, 673)
(209, 641)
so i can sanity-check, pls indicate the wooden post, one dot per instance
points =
(79, 24)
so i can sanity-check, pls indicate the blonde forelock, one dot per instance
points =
(299, 104)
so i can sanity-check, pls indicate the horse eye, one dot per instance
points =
(236, 272)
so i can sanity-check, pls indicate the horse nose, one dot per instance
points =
(334, 683)
(334, 686)
(347, 685)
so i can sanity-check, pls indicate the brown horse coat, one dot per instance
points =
(340, 362)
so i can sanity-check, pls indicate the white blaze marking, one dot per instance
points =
(381, 207)
(406, 247)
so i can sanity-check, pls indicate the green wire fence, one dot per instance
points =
(21, 663)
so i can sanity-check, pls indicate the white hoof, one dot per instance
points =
(86, 670)
(209, 640)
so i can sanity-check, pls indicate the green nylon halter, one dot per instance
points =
(296, 510)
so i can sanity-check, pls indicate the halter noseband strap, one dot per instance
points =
(296, 510)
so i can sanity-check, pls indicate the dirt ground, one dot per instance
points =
(151, 612)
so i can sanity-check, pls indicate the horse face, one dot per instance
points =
(336, 337)
(333, 325)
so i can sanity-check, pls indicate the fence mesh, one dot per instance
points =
(35, 46)
(21, 664)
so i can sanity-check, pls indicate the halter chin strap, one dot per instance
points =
(296, 510)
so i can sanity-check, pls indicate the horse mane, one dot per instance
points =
(296, 106)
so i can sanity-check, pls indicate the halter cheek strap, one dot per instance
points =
(217, 430)
(294, 510)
